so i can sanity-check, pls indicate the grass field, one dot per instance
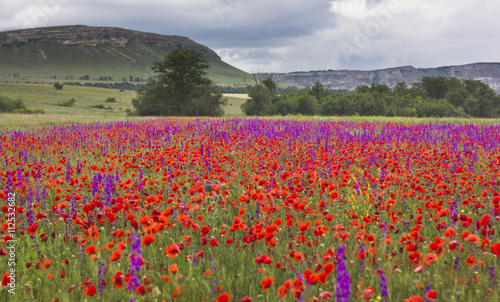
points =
(234, 102)
(46, 97)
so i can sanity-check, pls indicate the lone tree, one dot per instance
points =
(180, 87)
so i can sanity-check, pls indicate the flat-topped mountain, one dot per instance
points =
(488, 73)
(85, 53)
(94, 36)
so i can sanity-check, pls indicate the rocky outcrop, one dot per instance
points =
(488, 73)
(93, 36)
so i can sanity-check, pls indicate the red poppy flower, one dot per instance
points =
(141, 290)
(214, 242)
(91, 291)
(172, 250)
(148, 239)
(115, 256)
(495, 249)
(414, 299)
(177, 292)
(368, 292)
(473, 238)
(90, 250)
(32, 229)
(485, 220)
(173, 268)
(6, 279)
(432, 294)
(266, 283)
(328, 268)
(45, 263)
(283, 289)
(117, 280)
(299, 257)
(223, 297)
(263, 259)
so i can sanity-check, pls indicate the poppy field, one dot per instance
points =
(250, 210)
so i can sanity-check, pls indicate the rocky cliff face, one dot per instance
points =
(488, 73)
(93, 36)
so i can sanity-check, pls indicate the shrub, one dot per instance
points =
(16, 106)
(9, 105)
(110, 100)
(101, 106)
(68, 103)
(58, 86)
(131, 112)
(29, 111)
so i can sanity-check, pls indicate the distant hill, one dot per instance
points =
(96, 54)
(488, 73)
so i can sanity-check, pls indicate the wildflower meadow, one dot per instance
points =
(250, 210)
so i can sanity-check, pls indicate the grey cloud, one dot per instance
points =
(293, 35)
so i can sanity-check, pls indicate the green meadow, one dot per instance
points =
(45, 97)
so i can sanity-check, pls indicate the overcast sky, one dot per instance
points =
(294, 35)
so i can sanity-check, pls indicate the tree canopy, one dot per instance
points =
(180, 87)
(432, 97)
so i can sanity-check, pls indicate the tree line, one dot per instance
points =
(431, 97)
(115, 85)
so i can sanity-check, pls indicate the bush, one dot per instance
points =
(9, 105)
(58, 86)
(101, 106)
(130, 112)
(110, 100)
(68, 103)
(29, 111)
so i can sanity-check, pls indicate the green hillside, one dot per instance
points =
(96, 54)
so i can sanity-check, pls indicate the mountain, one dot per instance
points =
(96, 54)
(488, 73)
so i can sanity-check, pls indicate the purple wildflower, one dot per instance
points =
(102, 280)
(456, 266)
(195, 259)
(384, 230)
(383, 286)
(343, 277)
(135, 262)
